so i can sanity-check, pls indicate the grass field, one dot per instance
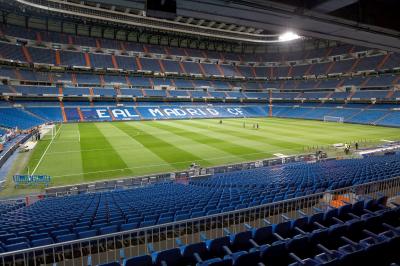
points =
(92, 151)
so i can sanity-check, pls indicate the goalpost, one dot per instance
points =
(53, 131)
(338, 119)
(49, 132)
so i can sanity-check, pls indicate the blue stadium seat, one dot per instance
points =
(129, 226)
(109, 264)
(17, 246)
(87, 234)
(109, 229)
(216, 246)
(167, 257)
(65, 238)
(144, 260)
(42, 242)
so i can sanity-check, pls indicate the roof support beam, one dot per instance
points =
(211, 23)
(327, 6)
(231, 27)
(269, 15)
(189, 20)
(221, 25)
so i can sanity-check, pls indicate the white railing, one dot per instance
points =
(106, 248)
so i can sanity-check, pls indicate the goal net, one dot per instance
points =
(337, 119)
(48, 132)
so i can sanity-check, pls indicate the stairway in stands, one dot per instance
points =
(381, 118)
(26, 53)
(81, 117)
(353, 115)
(34, 115)
(351, 94)
(389, 95)
(64, 115)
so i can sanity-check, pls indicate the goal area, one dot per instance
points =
(338, 119)
(48, 132)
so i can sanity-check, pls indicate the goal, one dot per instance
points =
(48, 132)
(337, 119)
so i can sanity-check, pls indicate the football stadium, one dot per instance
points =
(199, 133)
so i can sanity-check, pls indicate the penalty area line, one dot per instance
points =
(47, 148)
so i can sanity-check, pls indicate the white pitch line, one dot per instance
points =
(210, 159)
(44, 153)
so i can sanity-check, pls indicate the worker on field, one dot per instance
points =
(346, 148)
(356, 145)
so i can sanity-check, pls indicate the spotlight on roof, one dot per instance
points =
(288, 36)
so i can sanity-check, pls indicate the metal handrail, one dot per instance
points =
(66, 190)
(194, 220)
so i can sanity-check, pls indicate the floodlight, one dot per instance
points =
(288, 36)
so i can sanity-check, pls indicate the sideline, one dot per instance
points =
(44, 153)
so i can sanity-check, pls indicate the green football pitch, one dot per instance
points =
(87, 152)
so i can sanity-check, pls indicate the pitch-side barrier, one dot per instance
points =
(181, 176)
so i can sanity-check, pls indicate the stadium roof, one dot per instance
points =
(345, 21)
(252, 21)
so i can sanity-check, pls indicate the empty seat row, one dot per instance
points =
(80, 216)
(362, 233)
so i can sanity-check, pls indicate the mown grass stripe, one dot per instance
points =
(140, 159)
(258, 139)
(319, 132)
(56, 161)
(277, 135)
(315, 125)
(206, 137)
(209, 154)
(99, 164)
(291, 134)
(45, 151)
(177, 157)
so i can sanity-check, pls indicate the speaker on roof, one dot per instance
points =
(161, 8)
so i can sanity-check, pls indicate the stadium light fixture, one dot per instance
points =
(288, 36)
